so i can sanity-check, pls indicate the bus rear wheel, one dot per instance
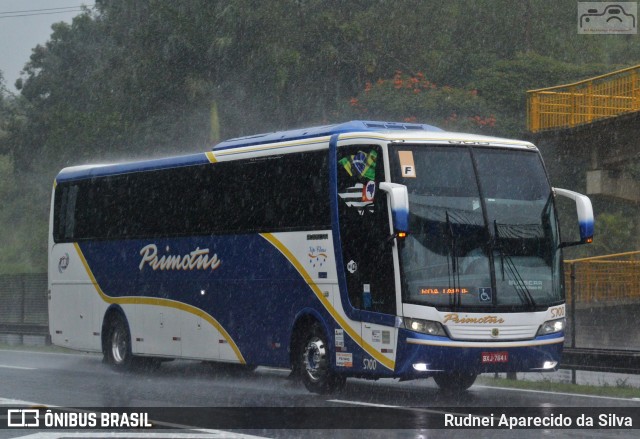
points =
(314, 363)
(117, 351)
(455, 382)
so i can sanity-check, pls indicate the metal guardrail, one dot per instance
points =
(24, 329)
(603, 297)
(602, 292)
(566, 106)
(601, 360)
(23, 305)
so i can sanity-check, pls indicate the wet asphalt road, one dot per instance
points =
(82, 380)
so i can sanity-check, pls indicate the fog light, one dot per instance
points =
(420, 367)
(549, 364)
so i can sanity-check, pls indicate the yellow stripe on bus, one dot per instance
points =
(387, 362)
(211, 156)
(132, 300)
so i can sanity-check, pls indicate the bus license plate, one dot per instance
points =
(495, 357)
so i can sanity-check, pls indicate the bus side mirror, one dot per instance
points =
(399, 201)
(585, 216)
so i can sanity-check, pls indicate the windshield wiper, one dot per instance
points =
(454, 299)
(519, 284)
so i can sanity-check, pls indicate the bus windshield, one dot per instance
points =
(483, 232)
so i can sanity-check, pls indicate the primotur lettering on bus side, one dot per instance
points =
(198, 259)
(455, 318)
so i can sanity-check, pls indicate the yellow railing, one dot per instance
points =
(604, 279)
(566, 106)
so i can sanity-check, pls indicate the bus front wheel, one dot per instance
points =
(118, 344)
(455, 381)
(314, 364)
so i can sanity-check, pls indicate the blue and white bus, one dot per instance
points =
(363, 249)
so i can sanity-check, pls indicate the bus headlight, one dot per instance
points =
(424, 326)
(551, 327)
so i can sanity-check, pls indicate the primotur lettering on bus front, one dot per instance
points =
(455, 318)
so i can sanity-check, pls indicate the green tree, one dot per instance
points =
(133, 78)
(615, 233)
(413, 98)
(505, 82)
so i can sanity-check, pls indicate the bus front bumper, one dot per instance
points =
(423, 355)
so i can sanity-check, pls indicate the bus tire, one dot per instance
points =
(314, 363)
(455, 382)
(118, 344)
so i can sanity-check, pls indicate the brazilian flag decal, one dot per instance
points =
(361, 165)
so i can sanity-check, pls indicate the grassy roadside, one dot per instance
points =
(619, 391)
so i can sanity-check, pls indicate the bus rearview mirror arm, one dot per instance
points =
(585, 216)
(399, 202)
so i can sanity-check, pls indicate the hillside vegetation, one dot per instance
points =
(134, 79)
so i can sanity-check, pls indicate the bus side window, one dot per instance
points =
(65, 206)
(364, 227)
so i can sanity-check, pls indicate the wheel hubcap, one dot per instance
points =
(119, 345)
(315, 359)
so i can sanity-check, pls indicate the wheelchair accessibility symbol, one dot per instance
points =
(484, 294)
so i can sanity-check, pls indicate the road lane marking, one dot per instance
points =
(205, 435)
(76, 353)
(9, 401)
(368, 404)
(398, 407)
(547, 392)
(17, 367)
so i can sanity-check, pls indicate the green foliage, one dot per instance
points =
(632, 169)
(505, 82)
(6, 177)
(4, 109)
(3, 87)
(133, 78)
(23, 225)
(615, 233)
(413, 98)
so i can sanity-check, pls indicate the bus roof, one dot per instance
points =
(88, 171)
(414, 131)
(325, 130)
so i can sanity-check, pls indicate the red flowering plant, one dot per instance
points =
(413, 98)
